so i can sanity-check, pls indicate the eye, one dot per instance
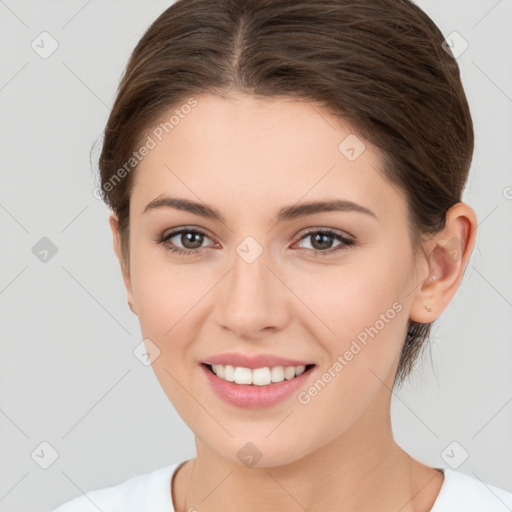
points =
(321, 241)
(191, 239)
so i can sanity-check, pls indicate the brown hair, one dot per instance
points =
(380, 65)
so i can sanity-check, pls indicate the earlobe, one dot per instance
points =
(447, 258)
(116, 236)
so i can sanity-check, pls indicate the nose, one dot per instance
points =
(253, 301)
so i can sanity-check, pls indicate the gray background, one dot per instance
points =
(68, 376)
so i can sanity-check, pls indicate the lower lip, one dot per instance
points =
(253, 396)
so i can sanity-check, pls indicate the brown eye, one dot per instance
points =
(322, 241)
(190, 240)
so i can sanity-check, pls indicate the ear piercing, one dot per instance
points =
(429, 280)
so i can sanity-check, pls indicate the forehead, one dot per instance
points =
(243, 150)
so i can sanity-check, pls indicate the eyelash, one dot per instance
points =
(346, 242)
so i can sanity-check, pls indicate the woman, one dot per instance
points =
(285, 179)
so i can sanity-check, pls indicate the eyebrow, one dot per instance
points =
(285, 214)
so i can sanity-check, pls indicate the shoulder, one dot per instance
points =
(463, 492)
(135, 494)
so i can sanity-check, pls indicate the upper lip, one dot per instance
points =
(254, 361)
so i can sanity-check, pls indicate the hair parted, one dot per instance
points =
(380, 66)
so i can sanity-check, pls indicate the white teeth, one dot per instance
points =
(259, 376)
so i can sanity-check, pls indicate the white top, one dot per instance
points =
(152, 492)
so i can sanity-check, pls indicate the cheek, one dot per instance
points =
(359, 320)
(157, 301)
(168, 299)
(356, 311)
(165, 292)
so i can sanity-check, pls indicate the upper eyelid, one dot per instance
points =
(176, 231)
(309, 231)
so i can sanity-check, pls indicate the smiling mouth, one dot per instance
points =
(261, 377)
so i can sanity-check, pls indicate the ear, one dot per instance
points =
(114, 226)
(447, 256)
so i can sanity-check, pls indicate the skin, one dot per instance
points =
(249, 157)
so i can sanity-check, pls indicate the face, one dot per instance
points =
(251, 283)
